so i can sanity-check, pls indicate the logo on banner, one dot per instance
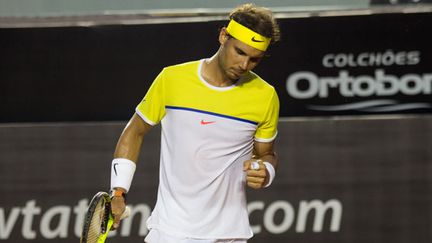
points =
(379, 91)
(65, 221)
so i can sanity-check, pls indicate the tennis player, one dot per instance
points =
(219, 122)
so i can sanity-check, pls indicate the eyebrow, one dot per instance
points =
(241, 52)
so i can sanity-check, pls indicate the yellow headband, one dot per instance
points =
(247, 36)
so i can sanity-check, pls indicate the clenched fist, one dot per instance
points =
(256, 173)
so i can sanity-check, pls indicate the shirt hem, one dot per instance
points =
(150, 122)
(211, 237)
(266, 140)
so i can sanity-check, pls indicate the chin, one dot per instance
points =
(234, 77)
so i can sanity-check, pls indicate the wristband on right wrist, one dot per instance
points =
(122, 172)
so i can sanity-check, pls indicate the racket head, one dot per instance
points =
(98, 220)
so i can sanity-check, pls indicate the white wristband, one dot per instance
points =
(122, 172)
(271, 172)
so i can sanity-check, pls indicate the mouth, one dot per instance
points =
(237, 73)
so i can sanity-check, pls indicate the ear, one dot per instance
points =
(223, 36)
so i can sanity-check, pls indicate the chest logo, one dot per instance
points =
(206, 122)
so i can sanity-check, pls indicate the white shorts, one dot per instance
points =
(157, 236)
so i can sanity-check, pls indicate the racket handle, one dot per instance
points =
(103, 236)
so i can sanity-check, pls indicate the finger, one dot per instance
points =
(258, 180)
(253, 164)
(254, 185)
(126, 213)
(115, 225)
(117, 209)
(117, 212)
(246, 165)
(256, 173)
(117, 218)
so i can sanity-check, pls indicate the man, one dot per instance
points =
(218, 126)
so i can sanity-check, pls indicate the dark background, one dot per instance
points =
(101, 73)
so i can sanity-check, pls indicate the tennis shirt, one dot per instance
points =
(207, 134)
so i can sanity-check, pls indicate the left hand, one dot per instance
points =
(255, 178)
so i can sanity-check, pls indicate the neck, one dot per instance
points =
(213, 73)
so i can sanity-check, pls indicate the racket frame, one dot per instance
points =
(89, 214)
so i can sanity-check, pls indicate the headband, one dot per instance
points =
(247, 36)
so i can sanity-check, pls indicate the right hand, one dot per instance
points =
(118, 206)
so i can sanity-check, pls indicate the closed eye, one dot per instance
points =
(240, 52)
(254, 59)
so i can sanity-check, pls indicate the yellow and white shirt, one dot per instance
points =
(207, 134)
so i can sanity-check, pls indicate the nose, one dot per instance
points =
(244, 63)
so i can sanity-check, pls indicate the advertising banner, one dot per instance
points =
(338, 181)
(324, 66)
(353, 65)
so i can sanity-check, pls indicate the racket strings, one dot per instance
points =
(97, 222)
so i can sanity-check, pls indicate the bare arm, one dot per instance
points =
(265, 152)
(128, 147)
(262, 152)
(130, 141)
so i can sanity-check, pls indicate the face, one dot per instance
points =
(235, 57)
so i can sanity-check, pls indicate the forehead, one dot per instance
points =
(247, 49)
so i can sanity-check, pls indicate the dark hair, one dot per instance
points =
(258, 19)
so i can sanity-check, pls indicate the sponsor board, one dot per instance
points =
(379, 92)
(375, 64)
(33, 222)
(323, 66)
(338, 181)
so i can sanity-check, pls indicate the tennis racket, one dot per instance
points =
(98, 219)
